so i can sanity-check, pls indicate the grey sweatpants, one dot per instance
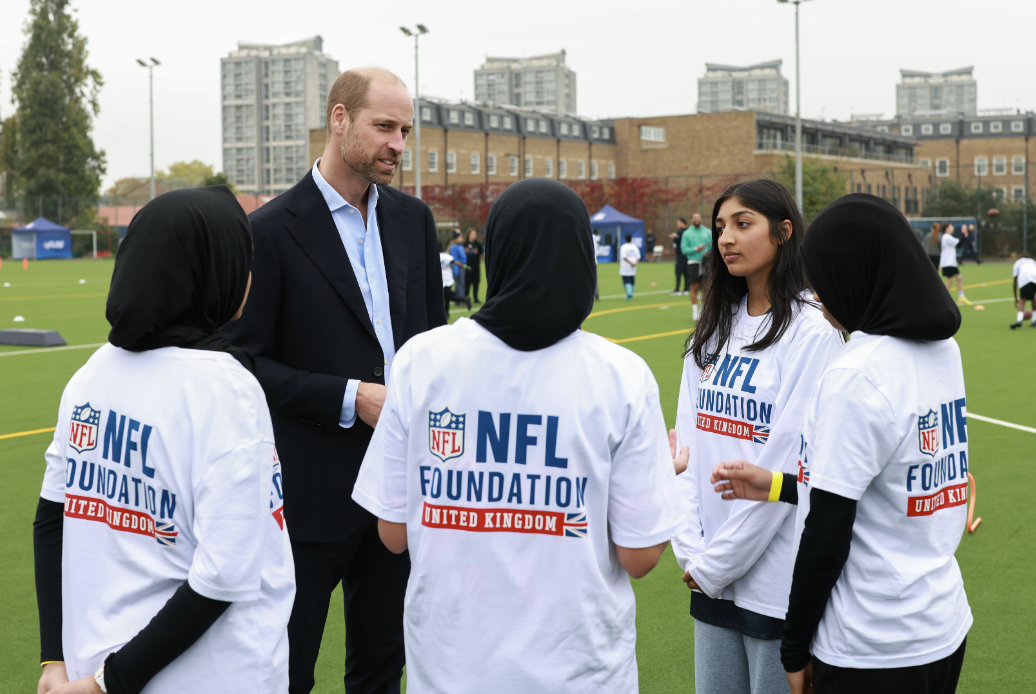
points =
(728, 662)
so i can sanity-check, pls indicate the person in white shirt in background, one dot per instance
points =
(162, 559)
(447, 263)
(530, 487)
(877, 599)
(752, 362)
(948, 260)
(1024, 274)
(597, 260)
(629, 256)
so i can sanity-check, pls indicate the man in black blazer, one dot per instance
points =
(346, 270)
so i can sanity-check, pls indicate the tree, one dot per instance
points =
(9, 157)
(220, 179)
(822, 184)
(56, 96)
(467, 205)
(125, 186)
(184, 174)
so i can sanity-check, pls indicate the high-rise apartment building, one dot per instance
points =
(951, 92)
(542, 81)
(758, 87)
(272, 97)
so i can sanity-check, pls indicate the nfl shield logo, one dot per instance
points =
(928, 433)
(709, 366)
(446, 434)
(82, 431)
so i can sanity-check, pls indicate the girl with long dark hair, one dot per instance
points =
(750, 368)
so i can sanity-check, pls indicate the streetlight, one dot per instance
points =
(798, 107)
(151, 102)
(421, 29)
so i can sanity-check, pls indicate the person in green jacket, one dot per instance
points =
(695, 243)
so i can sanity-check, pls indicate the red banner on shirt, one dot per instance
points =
(725, 427)
(116, 518)
(957, 495)
(504, 520)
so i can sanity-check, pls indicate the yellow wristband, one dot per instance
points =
(775, 487)
(48, 662)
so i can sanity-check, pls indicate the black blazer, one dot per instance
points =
(307, 325)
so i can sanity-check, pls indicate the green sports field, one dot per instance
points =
(998, 560)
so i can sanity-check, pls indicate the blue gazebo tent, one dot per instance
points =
(613, 227)
(41, 238)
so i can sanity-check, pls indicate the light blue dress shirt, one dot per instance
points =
(363, 246)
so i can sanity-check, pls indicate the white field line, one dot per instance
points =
(49, 349)
(1002, 423)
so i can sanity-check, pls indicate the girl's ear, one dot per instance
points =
(786, 231)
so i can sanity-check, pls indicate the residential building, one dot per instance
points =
(952, 92)
(273, 96)
(542, 82)
(990, 149)
(759, 87)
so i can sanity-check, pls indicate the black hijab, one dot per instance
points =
(181, 273)
(864, 261)
(540, 265)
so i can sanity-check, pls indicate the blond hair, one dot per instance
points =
(352, 90)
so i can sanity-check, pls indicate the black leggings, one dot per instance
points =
(939, 677)
(474, 279)
(447, 295)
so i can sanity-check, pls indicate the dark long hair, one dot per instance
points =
(723, 291)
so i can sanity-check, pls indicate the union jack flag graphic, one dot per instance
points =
(165, 533)
(575, 524)
(760, 434)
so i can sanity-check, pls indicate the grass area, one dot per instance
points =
(997, 561)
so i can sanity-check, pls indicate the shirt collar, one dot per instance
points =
(332, 197)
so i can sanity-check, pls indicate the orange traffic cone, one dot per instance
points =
(25, 263)
(972, 521)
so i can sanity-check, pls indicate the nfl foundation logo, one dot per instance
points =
(446, 434)
(928, 433)
(710, 364)
(82, 431)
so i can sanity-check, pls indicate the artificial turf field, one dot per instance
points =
(998, 560)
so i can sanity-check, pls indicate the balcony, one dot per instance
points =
(767, 144)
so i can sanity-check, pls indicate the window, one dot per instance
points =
(513, 166)
(976, 127)
(528, 167)
(433, 160)
(507, 122)
(548, 167)
(1017, 126)
(652, 134)
(611, 169)
(576, 130)
(595, 131)
(907, 130)
(426, 114)
(543, 126)
(581, 170)
(562, 168)
(605, 133)
(869, 191)
(945, 128)
(1018, 193)
(564, 128)
(926, 163)
(408, 160)
(593, 171)
(882, 128)
(454, 117)
(926, 129)
(469, 118)
(530, 124)
(476, 163)
(942, 167)
(451, 162)
(981, 166)
(1002, 193)
(1018, 166)
(494, 121)
(996, 127)
(491, 165)
(999, 166)
(266, 155)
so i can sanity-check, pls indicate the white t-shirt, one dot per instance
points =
(514, 581)
(747, 406)
(597, 247)
(1025, 270)
(948, 256)
(446, 263)
(888, 427)
(166, 464)
(628, 252)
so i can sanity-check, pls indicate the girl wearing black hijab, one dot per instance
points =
(161, 555)
(877, 600)
(531, 487)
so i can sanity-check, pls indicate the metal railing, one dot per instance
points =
(783, 146)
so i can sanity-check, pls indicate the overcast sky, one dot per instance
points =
(631, 58)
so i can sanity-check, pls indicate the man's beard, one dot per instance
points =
(367, 166)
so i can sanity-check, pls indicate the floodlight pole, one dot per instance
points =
(416, 160)
(151, 108)
(798, 108)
